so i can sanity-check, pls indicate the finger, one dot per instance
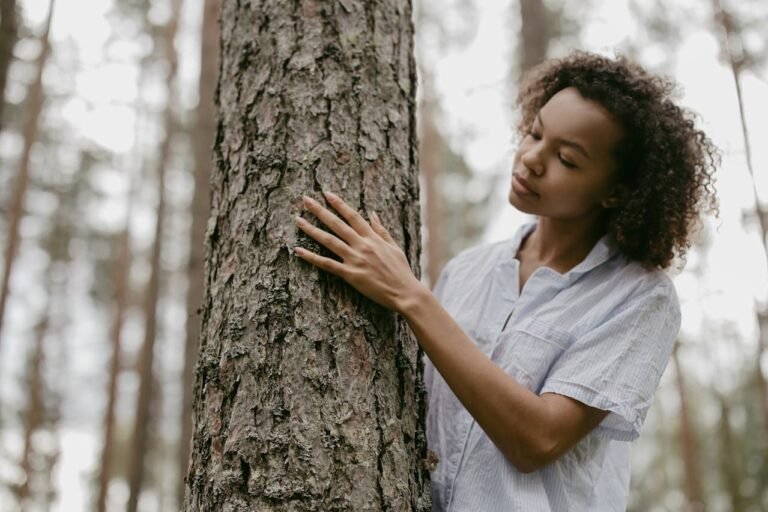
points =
(355, 220)
(380, 229)
(321, 262)
(328, 218)
(328, 240)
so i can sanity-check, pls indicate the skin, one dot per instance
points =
(567, 159)
(570, 203)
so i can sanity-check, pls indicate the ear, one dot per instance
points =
(615, 198)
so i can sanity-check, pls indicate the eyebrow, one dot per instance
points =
(569, 143)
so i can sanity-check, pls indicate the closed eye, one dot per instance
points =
(566, 163)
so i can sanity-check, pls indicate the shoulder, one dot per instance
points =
(471, 266)
(622, 288)
(480, 256)
(634, 286)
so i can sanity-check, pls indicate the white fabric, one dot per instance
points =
(601, 333)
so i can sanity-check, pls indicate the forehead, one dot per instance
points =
(569, 116)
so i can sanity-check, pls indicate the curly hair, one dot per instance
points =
(666, 164)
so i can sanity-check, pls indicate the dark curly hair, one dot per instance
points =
(666, 164)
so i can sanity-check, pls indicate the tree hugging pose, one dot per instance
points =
(543, 351)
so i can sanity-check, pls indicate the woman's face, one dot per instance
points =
(565, 167)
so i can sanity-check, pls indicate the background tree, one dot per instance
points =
(8, 36)
(308, 396)
(203, 133)
(142, 419)
(34, 107)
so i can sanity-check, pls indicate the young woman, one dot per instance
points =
(544, 350)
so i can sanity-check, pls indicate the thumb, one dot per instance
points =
(379, 228)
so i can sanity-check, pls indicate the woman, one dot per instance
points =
(544, 350)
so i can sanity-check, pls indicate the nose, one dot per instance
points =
(532, 159)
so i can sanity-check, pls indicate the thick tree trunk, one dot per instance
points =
(34, 106)
(204, 133)
(308, 396)
(8, 36)
(140, 440)
(692, 477)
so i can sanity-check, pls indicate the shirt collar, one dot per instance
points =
(602, 251)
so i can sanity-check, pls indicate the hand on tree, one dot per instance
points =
(371, 260)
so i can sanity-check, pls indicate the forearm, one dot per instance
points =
(516, 419)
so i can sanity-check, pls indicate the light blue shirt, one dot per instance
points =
(601, 333)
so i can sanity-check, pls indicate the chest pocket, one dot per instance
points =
(528, 350)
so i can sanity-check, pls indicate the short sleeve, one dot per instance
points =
(617, 365)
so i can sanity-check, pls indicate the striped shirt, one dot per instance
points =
(601, 333)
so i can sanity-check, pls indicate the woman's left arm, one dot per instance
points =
(530, 430)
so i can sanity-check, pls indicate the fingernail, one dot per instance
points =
(329, 195)
(375, 217)
(307, 200)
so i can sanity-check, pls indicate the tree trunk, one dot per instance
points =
(308, 396)
(8, 36)
(34, 107)
(34, 410)
(140, 440)
(735, 61)
(204, 133)
(729, 466)
(122, 266)
(692, 477)
(535, 33)
(430, 170)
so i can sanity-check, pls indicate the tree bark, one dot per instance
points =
(34, 107)
(140, 440)
(204, 133)
(692, 476)
(8, 36)
(308, 396)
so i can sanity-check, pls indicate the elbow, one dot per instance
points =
(536, 455)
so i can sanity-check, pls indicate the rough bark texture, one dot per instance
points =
(204, 134)
(34, 106)
(308, 396)
(140, 440)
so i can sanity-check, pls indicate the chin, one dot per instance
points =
(518, 205)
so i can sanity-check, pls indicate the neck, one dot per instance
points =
(562, 245)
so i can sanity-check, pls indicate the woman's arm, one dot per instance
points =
(530, 430)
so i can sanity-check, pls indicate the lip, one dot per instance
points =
(521, 186)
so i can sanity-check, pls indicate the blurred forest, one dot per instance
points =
(106, 126)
